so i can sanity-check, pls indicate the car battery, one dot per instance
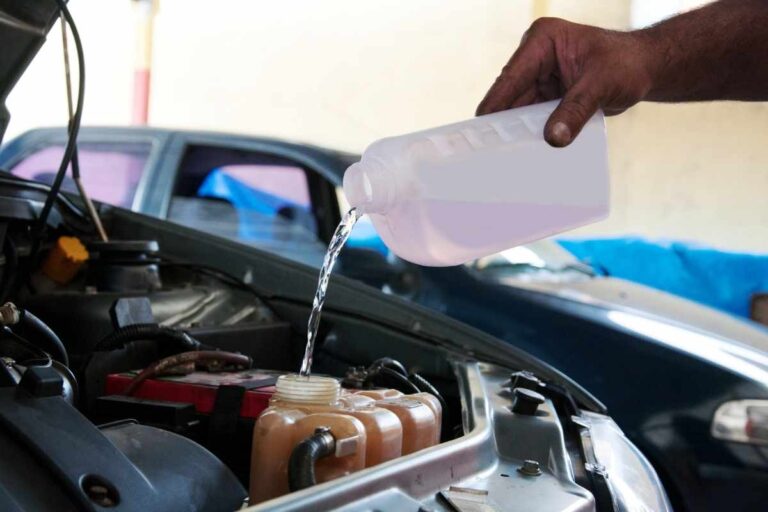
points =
(201, 389)
(216, 409)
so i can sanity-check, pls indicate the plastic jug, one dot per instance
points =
(451, 194)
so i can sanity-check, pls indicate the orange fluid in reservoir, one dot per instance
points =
(420, 415)
(372, 426)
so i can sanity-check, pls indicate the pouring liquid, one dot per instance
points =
(338, 240)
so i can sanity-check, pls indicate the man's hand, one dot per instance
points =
(590, 68)
(716, 52)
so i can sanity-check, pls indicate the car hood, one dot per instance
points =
(737, 344)
(23, 27)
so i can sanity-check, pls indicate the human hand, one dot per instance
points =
(588, 67)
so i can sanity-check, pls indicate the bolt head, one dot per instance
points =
(530, 468)
(526, 401)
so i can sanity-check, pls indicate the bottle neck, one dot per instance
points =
(312, 390)
(370, 186)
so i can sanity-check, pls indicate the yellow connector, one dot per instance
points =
(65, 259)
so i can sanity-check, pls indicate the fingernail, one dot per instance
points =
(561, 133)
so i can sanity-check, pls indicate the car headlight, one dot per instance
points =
(631, 479)
(743, 421)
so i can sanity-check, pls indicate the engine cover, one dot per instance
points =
(58, 460)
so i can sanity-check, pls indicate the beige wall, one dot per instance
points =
(345, 72)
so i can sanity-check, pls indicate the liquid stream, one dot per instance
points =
(338, 240)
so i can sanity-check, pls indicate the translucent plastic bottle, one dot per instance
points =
(451, 194)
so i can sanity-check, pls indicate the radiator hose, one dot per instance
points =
(43, 336)
(136, 332)
(301, 465)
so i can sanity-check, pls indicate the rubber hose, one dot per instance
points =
(301, 465)
(10, 267)
(388, 378)
(135, 332)
(45, 336)
(425, 386)
(392, 364)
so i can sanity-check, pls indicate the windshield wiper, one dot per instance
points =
(578, 266)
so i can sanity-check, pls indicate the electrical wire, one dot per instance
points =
(135, 332)
(184, 358)
(74, 127)
(92, 212)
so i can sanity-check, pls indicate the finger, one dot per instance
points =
(578, 105)
(549, 88)
(519, 75)
(526, 98)
(614, 111)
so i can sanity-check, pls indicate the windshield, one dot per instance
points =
(111, 172)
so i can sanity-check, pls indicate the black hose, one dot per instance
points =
(392, 364)
(387, 378)
(45, 336)
(135, 332)
(11, 267)
(301, 465)
(22, 351)
(426, 387)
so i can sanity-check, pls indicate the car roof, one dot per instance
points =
(339, 160)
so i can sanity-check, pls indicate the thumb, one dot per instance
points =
(578, 105)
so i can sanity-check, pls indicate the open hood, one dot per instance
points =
(23, 27)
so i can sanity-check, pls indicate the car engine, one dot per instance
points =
(135, 370)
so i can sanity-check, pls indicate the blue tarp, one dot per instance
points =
(221, 185)
(721, 279)
(364, 236)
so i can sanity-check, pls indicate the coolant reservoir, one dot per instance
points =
(299, 407)
(376, 428)
(382, 427)
(419, 413)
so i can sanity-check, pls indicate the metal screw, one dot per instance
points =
(9, 314)
(530, 468)
(99, 492)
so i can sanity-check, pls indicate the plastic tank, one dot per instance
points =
(373, 427)
(420, 415)
(455, 193)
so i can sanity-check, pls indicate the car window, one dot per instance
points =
(254, 198)
(110, 172)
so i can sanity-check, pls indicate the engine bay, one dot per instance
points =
(148, 378)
